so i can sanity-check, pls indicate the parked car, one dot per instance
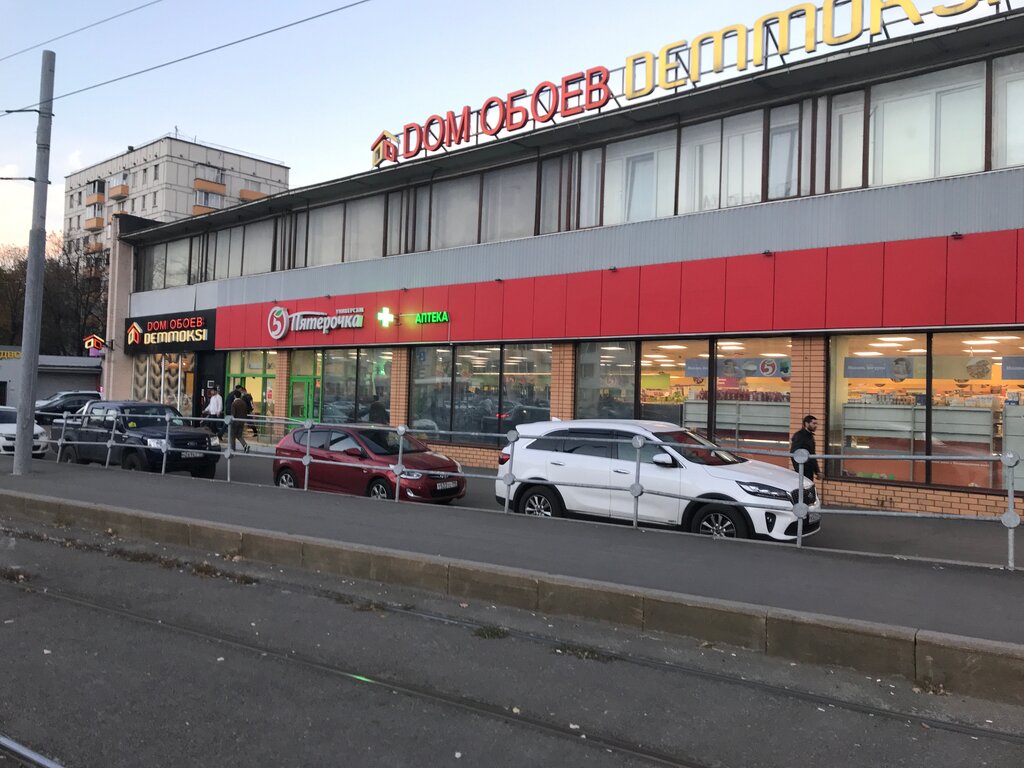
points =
(60, 403)
(8, 429)
(724, 487)
(139, 431)
(371, 454)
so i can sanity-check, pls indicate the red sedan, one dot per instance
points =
(361, 460)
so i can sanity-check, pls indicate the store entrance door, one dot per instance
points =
(305, 399)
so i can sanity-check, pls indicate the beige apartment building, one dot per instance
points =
(164, 180)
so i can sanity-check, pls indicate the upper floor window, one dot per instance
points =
(205, 199)
(700, 167)
(156, 172)
(364, 229)
(145, 172)
(1008, 111)
(509, 203)
(640, 178)
(209, 173)
(928, 126)
(96, 187)
(784, 152)
(455, 213)
(742, 140)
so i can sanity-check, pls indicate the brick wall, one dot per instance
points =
(282, 392)
(400, 357)
(563, 381)
(807, 386)
(837, 493)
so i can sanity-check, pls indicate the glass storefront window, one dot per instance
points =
(784, 152)
(879, 393)
(364, 229)
(431, 392)
(525, 385)
(847, 161)
(177, 264)
(971, 379)
(475, 407)
(454, 213)
(510, 203)
(741, 161)
(551, 195)
(605, 380)
(752, 395)
(674, 382)
(254, 370)
(339, 386)
(1008, 111)
(259, 248)
(167, 378)
(640, 179)
(928, 126)
(700, 167)
(373, 392)
(326, 228)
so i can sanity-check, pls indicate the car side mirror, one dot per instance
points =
(357, 452)
(664, 460)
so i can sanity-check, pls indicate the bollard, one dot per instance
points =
(399, 468)
(636, 489)
(110, 440)
(167, 441)
(800, 508)
(1011, 519)
(510, 478)
(63, 431)
(307, 459)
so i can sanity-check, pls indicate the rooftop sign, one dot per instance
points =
(679, 64)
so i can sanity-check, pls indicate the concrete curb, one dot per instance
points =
(964, 665)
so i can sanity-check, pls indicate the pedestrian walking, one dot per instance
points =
(250, 409)
(238, 414)
(804, 438)
(214, 410)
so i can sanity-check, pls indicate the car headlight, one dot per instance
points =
(408, 474)
(458, 466)
(156, 442)
(764, 491)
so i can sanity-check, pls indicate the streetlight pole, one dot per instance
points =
(32, 323)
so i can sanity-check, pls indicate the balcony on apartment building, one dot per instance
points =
(248, 195)
(94, 224)
(96, 198)
(93, 248)
(117, 191)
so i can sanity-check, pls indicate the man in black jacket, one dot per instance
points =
(804, 438)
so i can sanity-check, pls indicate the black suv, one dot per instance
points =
(63, 402)
(139, 430)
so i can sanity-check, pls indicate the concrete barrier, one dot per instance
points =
(576, 597)
(962, 665)
(982, 668)
(877, 648)
(717, 621)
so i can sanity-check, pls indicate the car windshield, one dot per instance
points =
(385, 443)
(152, 416)
(695, 448)
(8, 417)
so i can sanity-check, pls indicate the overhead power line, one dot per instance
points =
(80, 29)
(205, 52)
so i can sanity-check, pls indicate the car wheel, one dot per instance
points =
(208, 472)
(379, 489)
(133, 462)
(721, 522)
(540, 501)
(285, 479)
(70, 456)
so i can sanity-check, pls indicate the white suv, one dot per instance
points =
(723, 494)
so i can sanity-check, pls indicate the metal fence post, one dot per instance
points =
(63, 431)
(510, 478)
(801, 457)
(110, 440)
(1011, 519)
(167, 440)
(636, 489)
(307, 459)
(228, 453)
(400, 468)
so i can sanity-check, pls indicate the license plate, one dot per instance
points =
(191, 454)
(447, 485)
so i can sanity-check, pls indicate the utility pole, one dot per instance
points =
(32, 323)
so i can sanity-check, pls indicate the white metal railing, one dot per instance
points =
(217, 428)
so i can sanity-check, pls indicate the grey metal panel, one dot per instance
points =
(977, 203)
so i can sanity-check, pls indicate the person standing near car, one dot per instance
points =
(804, 438)
(238, 414)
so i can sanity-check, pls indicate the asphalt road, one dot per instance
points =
(115, 662)
(960, 600)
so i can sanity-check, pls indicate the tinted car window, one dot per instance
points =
(385, 443)
(698, 450)
(590, 443)
(8, 417)
(550, 442)
(628, 453)
(321, 437)
(342, 441)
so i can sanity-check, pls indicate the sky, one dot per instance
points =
(313, 96)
